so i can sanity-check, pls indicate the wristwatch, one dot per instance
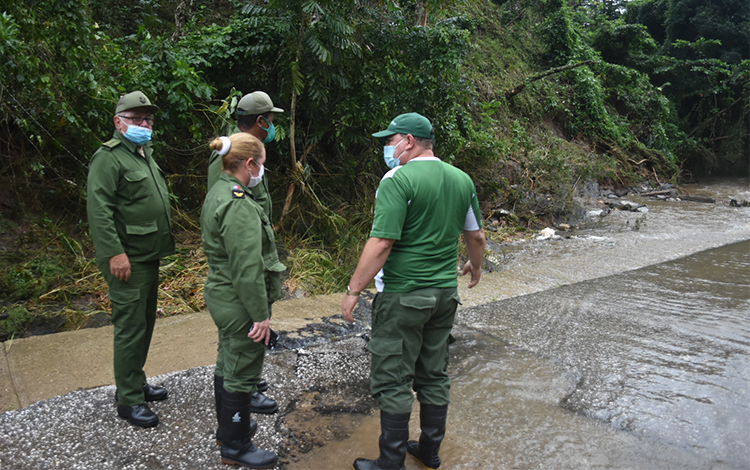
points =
(351, 292)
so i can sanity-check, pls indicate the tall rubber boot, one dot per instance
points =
(394, 434)
(432, 421)
(218, 393)
(237, 447)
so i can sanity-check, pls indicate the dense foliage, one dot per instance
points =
(531, 98)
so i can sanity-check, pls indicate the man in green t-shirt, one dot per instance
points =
(423, 205)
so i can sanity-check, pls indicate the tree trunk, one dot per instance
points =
(292, 150)
(181, 15)
(422, 14)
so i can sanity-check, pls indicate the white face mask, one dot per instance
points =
(255, 180)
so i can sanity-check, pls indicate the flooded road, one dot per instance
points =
(621, 344)
(661, 353)
(646, 368)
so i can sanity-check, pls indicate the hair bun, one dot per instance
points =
(226, 144)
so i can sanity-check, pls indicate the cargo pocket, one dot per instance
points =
(124, 300)
(387, 360)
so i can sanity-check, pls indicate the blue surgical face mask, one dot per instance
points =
(137, 134)
(389, 155)
(271, 131)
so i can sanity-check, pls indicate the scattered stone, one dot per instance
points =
(546, 234)
(98, 320)
(44, 325)
(625, 205)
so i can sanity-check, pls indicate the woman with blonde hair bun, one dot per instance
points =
(242, 282)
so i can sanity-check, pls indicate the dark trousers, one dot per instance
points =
(133, 317)
(409, 346)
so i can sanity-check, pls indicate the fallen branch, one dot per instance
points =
(518, 89)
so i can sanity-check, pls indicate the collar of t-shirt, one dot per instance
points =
(423, 159)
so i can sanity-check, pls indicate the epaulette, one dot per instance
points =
(112, 143)
(238, 192)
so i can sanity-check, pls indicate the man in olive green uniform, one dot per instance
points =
(129, 217)
(255, 113)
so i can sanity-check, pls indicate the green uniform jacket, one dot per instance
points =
(128, 203)
(260, 193)
(239, 244)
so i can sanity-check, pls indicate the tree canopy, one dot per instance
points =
(531, 98)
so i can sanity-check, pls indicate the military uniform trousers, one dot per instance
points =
(411, 332)
(222, 350)
(133, 317)
(239, 359)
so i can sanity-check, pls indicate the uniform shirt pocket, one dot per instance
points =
(141, 229)
(136, 186)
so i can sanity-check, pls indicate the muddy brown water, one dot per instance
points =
(648, 368)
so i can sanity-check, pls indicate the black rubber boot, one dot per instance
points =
(394, 434)
(237, 447)
(218, 393)
(432, 421)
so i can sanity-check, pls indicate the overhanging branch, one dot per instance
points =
(518, 89)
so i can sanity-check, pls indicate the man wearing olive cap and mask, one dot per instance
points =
(129, 218)
(423, 205)
(255, 114)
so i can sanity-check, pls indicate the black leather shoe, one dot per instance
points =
(154, 393)
(138, 415)
(150, 393)
(262, 404)
(262, 386)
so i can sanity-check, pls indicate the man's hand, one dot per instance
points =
(373, 258)
(261, 331)
(475, 243)
(476, 273)
(347, 305)
(119, 266)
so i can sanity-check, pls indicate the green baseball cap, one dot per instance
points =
(409, 123)
(135, 99)
(256, 102)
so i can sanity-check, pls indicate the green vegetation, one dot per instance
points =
(533, 99)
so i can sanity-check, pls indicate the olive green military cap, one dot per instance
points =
(135, 99)
(257, 102)
(409, 123)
